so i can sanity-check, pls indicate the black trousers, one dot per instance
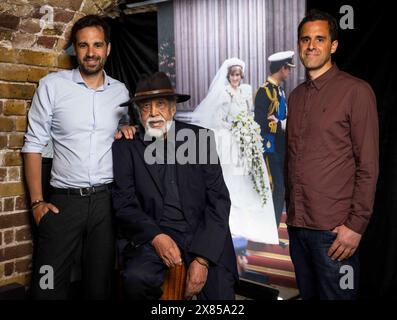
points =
(46, 166)
(81, 222)
(276, 164)
(144, 273)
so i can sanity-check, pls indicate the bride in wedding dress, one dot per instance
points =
(252, 214)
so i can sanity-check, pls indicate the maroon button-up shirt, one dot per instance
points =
(332, 153)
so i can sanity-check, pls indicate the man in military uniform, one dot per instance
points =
(271, 114)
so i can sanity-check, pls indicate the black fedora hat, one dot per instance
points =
(155, 86)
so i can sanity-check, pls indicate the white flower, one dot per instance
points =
(248, 140)
(247, 134)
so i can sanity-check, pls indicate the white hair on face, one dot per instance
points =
(157, 132)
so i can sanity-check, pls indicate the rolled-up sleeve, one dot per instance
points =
(39, 119)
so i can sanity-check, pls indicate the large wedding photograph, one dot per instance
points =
(196, 150)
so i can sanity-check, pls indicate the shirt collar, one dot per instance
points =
(77, 78)
(319, 82)
(271, 80)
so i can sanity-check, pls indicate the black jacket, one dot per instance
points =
(138, 198)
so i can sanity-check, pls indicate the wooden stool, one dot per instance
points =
(174, 284)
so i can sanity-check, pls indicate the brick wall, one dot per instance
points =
(31, 46)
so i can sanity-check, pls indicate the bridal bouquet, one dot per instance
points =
(247, 132)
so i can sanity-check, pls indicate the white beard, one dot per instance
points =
(157, 132)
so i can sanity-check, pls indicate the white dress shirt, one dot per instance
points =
(81, 123)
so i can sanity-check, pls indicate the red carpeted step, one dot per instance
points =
(271, 248)
(274, 276)
(273, 261)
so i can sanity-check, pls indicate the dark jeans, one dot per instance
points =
(317, 276)
(81, 222)
(144, 273)
(276, 165)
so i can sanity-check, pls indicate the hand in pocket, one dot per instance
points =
(42, 209)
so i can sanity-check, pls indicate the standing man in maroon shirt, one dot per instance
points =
(332, 166)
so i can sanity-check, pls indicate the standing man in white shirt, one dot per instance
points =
(79, 111)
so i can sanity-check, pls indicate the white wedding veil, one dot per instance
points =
(204, 114)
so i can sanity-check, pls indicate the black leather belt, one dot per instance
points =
(83, 192)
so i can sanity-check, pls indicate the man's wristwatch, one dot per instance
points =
(36, 203)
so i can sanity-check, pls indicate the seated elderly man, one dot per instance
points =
(172, 204)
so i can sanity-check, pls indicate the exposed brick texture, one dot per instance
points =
(31, 46)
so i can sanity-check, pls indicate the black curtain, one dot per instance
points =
(366, 53)
(134, 50)
(134, 47)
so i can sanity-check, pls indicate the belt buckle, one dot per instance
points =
(84, 192)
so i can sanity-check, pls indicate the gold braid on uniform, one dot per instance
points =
(274, 105)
